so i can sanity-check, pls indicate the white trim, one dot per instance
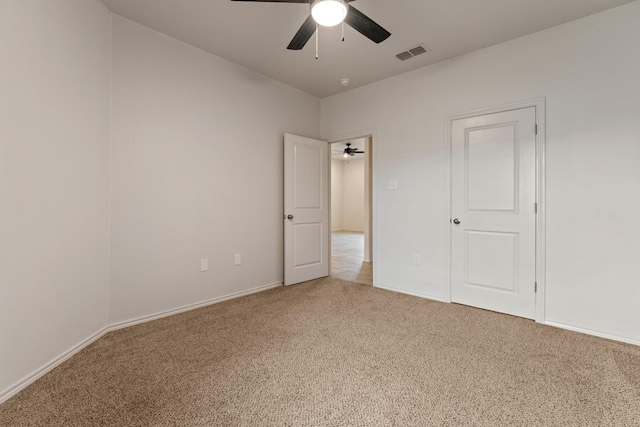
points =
(40, 372)
(189, 307)
(351, 135)
(498, 109)
(593, 333)
(539, 105)
(110, 207)
(541, 218)
(330, 175)
(412, 293)
(447, 202)
(37, 374)
(373, 134)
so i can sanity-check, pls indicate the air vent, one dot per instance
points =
(418, 50)
(404, 56)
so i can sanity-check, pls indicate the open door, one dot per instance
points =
(306, 209)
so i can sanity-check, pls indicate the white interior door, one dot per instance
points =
(493, 233)
(306, 209)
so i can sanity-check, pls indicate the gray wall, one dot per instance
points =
(197, 173)
(588, 71)
(55, 83)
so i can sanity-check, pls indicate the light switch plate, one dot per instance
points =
(392, 184)
(204, 265)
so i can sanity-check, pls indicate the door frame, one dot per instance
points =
(539, 104)
(370, 133)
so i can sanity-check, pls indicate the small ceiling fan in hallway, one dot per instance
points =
(329, 13)
(348, 152)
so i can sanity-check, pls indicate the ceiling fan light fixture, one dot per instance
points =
(329, 13)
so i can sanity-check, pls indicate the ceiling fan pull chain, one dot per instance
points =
(317, 35)
(346, 6)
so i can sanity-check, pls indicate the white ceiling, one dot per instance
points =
(255, 34)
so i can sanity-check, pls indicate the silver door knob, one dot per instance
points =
(456, 221)
(289, 217)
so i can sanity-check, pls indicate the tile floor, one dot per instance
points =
(347, 253)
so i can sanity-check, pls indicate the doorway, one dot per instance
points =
(351, 210)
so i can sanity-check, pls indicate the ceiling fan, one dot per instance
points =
(329, 13)
(351, 151)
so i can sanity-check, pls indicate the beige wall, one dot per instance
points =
(337, 172)
(348, 195)
(197, 173)
(353, 195)
(588, 71)
(55, 82)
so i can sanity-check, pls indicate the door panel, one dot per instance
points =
(308, 177)
(493, 199)
(307, 244)
(481, 268)
(306, 200)
(492, 168)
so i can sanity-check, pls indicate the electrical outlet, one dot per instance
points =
(204, 265)
(392, 184)
(416, 259)
(238, 259)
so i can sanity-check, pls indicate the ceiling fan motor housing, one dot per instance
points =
(352, 151)
(329, 13)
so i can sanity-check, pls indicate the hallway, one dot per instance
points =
(347, 253)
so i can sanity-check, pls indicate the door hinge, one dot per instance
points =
(535, 207)
(535, 287)
(535, 129)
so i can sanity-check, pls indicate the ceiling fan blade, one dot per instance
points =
(366, 26)
(303, 35)
(277, 1)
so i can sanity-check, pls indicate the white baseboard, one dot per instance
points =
(594, 333)
(412, 293)
(189, 307)
(37, 374)
(29, 379)
(548, 323)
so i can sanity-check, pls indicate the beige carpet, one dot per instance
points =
(335, 353)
